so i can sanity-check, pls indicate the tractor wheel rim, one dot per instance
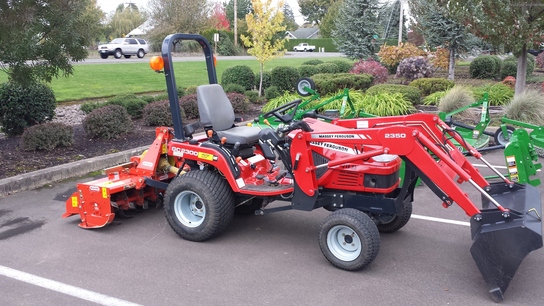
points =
(189, 209)
(344, 243)
(303, 84)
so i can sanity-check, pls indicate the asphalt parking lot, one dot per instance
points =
(259, 260)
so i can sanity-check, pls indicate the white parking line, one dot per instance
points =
(63, 288)
(448, 221)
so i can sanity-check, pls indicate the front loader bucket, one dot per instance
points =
(503, 239)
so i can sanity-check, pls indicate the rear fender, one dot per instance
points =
(211, 154)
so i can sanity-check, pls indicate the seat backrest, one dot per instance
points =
(214, 107)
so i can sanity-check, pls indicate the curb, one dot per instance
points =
(42, 177)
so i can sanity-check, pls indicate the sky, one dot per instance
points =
(110, 5)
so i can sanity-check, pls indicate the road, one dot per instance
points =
(134, 59)
(259, 260)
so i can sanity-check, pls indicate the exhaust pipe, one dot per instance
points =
(502, 239)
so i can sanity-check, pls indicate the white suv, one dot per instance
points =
(124, 47)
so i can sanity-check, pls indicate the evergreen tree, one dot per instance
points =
(356, 31)
(327, 25)
(289, 18)
(389, 17)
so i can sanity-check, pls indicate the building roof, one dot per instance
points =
(303, 33)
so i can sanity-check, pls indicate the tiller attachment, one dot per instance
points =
(503, 237)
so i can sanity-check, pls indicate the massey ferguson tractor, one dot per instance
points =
(349, 167)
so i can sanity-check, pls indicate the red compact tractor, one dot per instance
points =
(349, 167)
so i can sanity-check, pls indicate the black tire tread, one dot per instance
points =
(219, 209)
(399, 222)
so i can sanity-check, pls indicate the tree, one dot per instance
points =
(327, 25)
(40, 40)
(314, 10)
(289, 18)
(219, 17)
(178, 16)
(439, 29)
(356, 31)
(516, 25)
(389, 17)
(125, 19)
(263, 24)
(243, 7)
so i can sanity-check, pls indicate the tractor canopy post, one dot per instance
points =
(167, 46)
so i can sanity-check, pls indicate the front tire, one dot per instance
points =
(103, 56)
(349, 239)
(305, 82)
(140, 53)
(395, 223)
(117, 54)
(500, 138)
(199, 205)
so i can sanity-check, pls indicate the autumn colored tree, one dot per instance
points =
(516, 25)
(263, 24)
(219, 17)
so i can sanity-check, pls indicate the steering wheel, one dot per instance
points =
(281, 112)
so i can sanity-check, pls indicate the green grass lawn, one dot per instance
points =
(91, 81)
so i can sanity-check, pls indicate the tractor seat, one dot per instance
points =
(215, 110)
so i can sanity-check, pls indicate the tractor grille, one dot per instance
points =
(348, 179)
(319, 160)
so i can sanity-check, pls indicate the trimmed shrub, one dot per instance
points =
(391, 56)
(372, 67)
(181, 92)
(158, 114)
(306, 71)
(386, 104)
(285, 77)
(414, 68)
(409, 93)
(160, 97)
(499, 94)
(240, 103)
(271, 92)
(47, 136)
(510, 81)
(432, 85)
(252, 96)
(510, 66)
(148, 99)
(498, 65)
(24, 106)
(110, 121)
(540, 60)
(239, 74)
(483, 67)
(131, 102)
(331, 83)
(234, 88)
(190, 90)
(267, 80)
(313, 62)
(327, 68)
(189, 104)
(343, 66)
(88, 107)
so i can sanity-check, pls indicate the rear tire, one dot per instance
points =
(349, 239)
(117, 54)
(199, 205)
(140, 53)
(499, 136)
(103, 56)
